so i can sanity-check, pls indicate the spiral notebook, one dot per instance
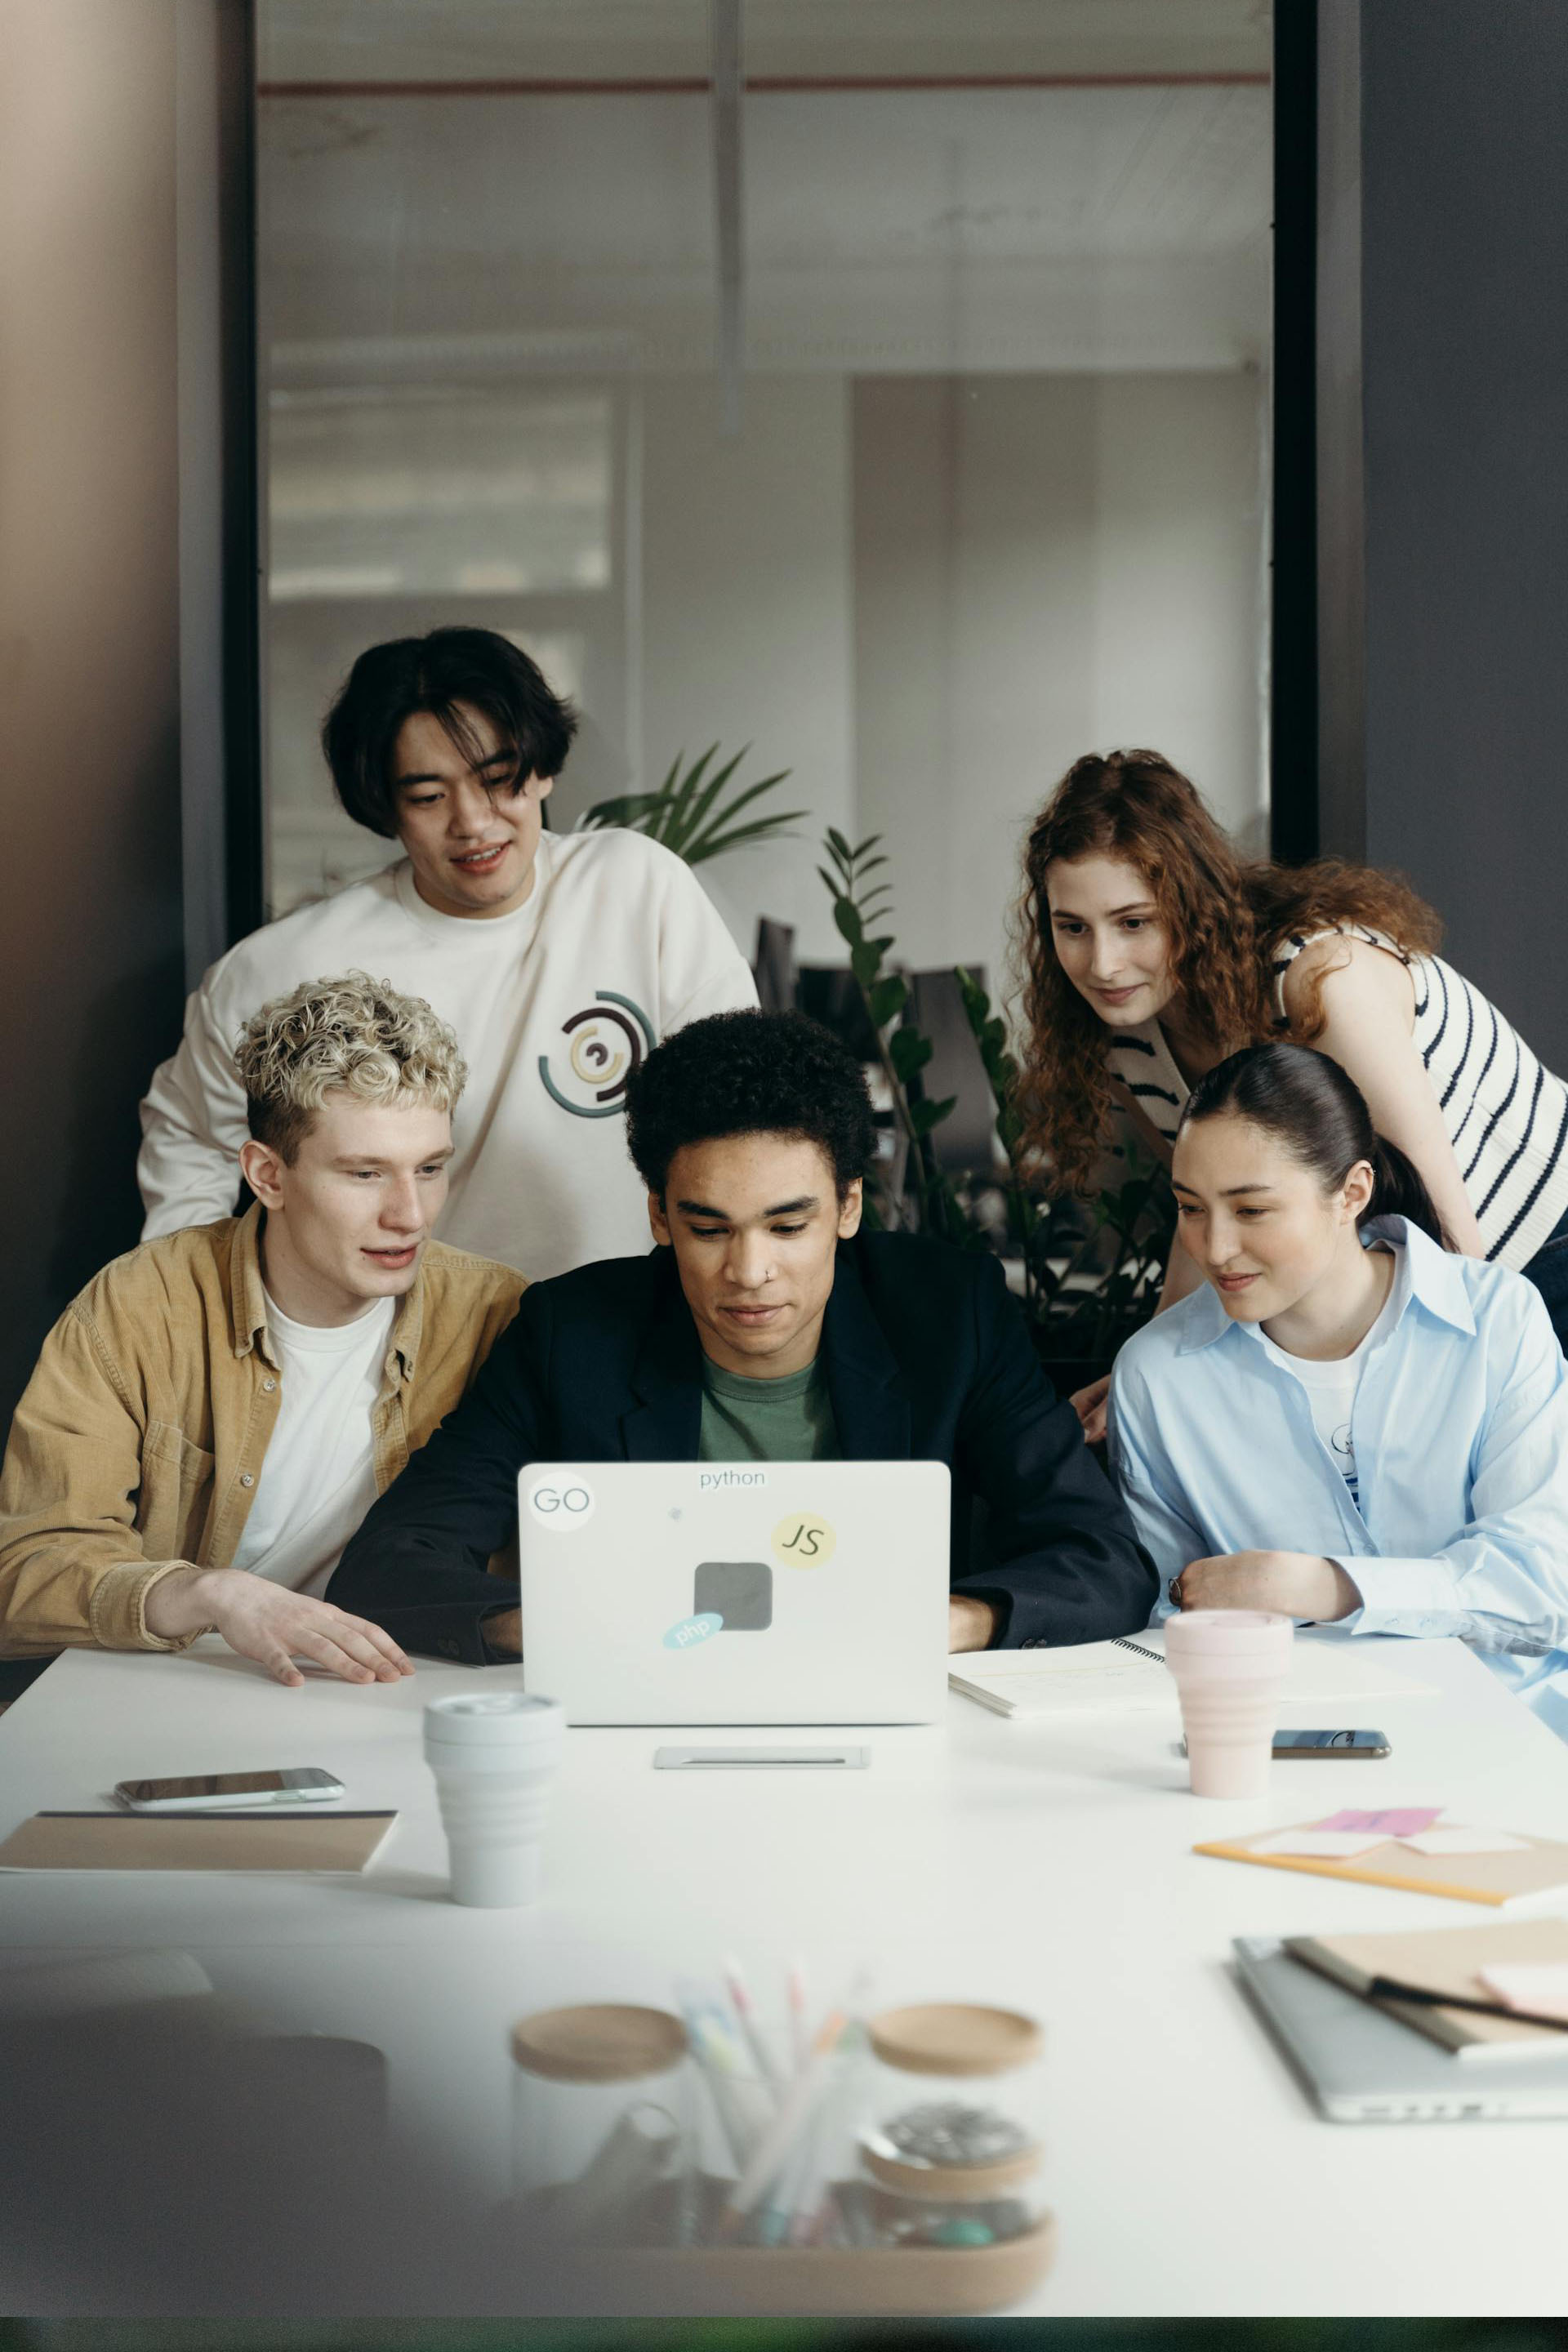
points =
(1128, 1676)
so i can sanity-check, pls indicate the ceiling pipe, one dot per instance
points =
(728, 87)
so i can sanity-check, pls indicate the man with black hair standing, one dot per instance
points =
(559, 960)
(765, 1326)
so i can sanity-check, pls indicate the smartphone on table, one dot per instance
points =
(1340, 1744)
(293, 1784)
(1333, 1744)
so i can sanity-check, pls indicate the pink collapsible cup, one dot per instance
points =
(1231, 1668)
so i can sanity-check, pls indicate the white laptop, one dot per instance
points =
(714, 1592)
(1361, 2066)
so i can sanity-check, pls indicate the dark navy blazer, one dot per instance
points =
(928, 1359)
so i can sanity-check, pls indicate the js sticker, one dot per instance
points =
(561, 1503)
(803, 1540)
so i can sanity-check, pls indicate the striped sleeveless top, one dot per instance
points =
(1506, 1116)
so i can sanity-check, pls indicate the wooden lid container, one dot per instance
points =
(955, 2037)
(959, 2043)
(600, 2041)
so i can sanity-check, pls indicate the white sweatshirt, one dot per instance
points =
(617, 945)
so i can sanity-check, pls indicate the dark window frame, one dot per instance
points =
(1293, 733)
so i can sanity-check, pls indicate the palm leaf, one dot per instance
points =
(626, 809)
(656, 818)
(689, 814)
(697, 806)
(731, 809)
(713, 844)
(680, 800)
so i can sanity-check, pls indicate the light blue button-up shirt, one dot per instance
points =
(1460, 1434)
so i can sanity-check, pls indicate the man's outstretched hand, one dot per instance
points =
(274, 1626)
(971, 1622)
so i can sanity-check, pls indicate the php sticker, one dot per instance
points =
(803, 1540)
(561, 1503)
(693, 1630)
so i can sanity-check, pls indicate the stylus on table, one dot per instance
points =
(813, 2192)
(1390, 1989)
(711, 2051)
(762, 2058)
(799, 2031)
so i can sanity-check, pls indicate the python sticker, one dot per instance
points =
(803, 1540)
(693, 1630)
(562, 1504)
(605, 1043)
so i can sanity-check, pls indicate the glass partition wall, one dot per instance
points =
(877, 389)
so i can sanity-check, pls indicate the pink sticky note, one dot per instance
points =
(1400, 1821)
(1447, 1841)
(1541, 1985)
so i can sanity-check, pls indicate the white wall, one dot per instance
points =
(746, 621)
(968, 317)
(1045, 565)
(923, 595)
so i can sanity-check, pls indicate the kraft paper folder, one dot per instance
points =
(1446, 1959)
(1507, 1881)
(257, 1840)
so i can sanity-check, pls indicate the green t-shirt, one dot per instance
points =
(787, 1420)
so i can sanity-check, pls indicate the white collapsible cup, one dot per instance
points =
(1231, 1668)
(493, 1756)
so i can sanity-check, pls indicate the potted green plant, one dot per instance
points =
(688, 814)
(1090, 1270)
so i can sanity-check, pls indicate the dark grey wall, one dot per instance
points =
(1464, 329)
(91, 925)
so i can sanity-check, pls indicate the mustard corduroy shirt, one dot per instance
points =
(140, 1439)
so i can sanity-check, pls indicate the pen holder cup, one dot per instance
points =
(951, 2140)
(602, 2127)
(744, 2078)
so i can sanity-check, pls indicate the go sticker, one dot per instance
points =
(803, 1540)
(561, 1503)
(692, 1630)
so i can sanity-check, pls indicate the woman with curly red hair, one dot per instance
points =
(1153, 952)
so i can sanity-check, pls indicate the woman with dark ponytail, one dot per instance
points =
(1394, 1412)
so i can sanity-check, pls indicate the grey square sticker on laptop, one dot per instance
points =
(741, 1591)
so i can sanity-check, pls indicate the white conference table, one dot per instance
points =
(1045, 1868)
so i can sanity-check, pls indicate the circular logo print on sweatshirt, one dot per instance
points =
(604, 1045)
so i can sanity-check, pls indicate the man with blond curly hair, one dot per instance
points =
(211, 1418)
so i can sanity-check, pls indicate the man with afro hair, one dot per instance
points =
(764, 1326)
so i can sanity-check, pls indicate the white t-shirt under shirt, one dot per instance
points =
(1331, 1388)
(617, 944)
(319, 1478)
